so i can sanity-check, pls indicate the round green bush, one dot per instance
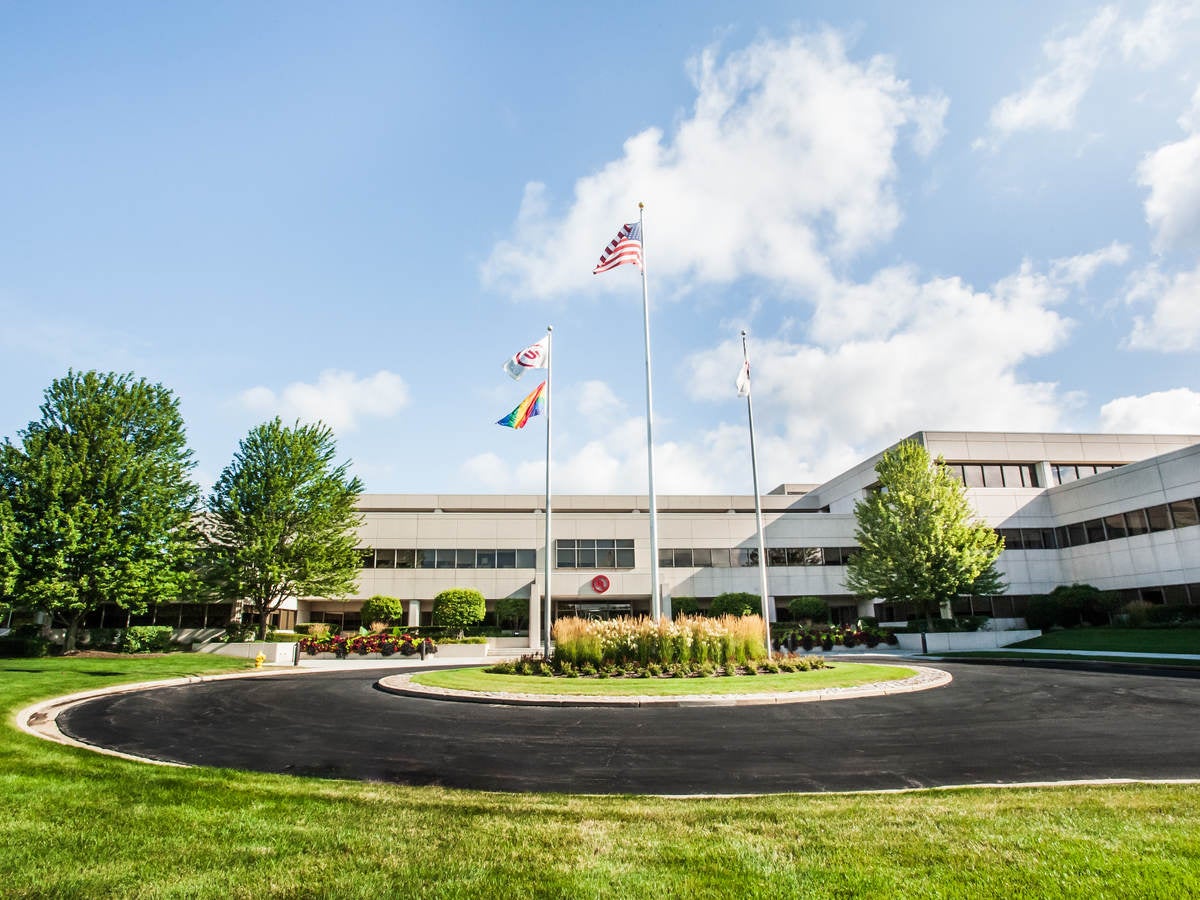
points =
(459, 607)
(379, 608)
(736, 603)
(811, 609)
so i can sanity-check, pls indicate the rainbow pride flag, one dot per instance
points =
(530, 406)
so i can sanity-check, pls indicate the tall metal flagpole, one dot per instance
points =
(548, 597)
(758, 516)
(655, 598)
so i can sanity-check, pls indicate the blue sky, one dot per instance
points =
(927, 216)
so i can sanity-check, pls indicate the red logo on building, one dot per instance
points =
(600, 584)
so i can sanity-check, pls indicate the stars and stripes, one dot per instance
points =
(625, 248)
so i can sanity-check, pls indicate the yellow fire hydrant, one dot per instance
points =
(258, 661)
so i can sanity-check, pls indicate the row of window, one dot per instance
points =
(1177, 514)
(1010, 475)
(994, 475)
(736, 557)
(593, 554)
(1063, 474)
(449, 559)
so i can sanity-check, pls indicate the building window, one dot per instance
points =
(366, 559)
(385, 559)
(426, 559)
(506, 559)
(526, 559)
(1159, 518)
(1183, 513)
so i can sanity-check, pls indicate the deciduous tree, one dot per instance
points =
(102, 499)
(459, 607)
(919, 541)
(281, 520)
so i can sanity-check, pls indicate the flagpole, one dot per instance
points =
(655, 599)
(547, 598)
(758, 516)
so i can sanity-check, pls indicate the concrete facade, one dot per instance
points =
(495, 543)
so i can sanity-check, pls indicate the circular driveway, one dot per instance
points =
(992, 724)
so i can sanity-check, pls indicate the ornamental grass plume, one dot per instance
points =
(686, 641)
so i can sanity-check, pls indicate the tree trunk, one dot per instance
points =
(262, 622)
(72, 633)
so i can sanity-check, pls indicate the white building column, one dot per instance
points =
(414, 613)
(1045, 475)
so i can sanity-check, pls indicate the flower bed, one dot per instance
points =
(362, 644)
(826, 637)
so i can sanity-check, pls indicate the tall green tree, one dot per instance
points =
(919, 540)
(8, 562)
(102, 499)
(281, 520)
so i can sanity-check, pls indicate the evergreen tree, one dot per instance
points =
(281, 520)
(919, 541)
(101, 498)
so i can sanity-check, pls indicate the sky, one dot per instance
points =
(926, 216)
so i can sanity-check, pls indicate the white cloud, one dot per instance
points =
(787, 157)
(596, 400)
(1174, 324)
(1172, 173)
(1078, 270)
(1053, 98)
(1162, 412)
(339, 399)
(940, 355)
(1157, 36)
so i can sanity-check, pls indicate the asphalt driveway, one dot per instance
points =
(993, 724)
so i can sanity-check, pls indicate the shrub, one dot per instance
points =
(14, 647)
(685, 606)
(809, 609)
(146, 639)
(1171, 614)
(459, 607)
(735, 603)
(379, 608)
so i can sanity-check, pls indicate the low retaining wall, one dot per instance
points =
(276, 654)
(943, 642)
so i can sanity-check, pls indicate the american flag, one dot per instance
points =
(626, 247)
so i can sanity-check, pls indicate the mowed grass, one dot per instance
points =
(836, 675)
(78, 824)
(1128, 640)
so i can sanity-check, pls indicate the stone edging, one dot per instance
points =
(925, 679)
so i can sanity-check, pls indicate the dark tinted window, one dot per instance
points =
(1095, 530)
(1160, 519)
(1135, 522)
(385, 559)
(464, 559)
(526, 559)
(506, 559)
(1115, 524)
(1183, 513)
(683, 558)
(485, 559)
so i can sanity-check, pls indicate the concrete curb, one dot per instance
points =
(926, 679)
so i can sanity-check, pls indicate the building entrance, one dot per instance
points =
(592, 610)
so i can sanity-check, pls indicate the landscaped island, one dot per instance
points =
(643, 656)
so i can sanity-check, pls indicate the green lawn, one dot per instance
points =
(77, 824)
(1132, 640)
(838, 675)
